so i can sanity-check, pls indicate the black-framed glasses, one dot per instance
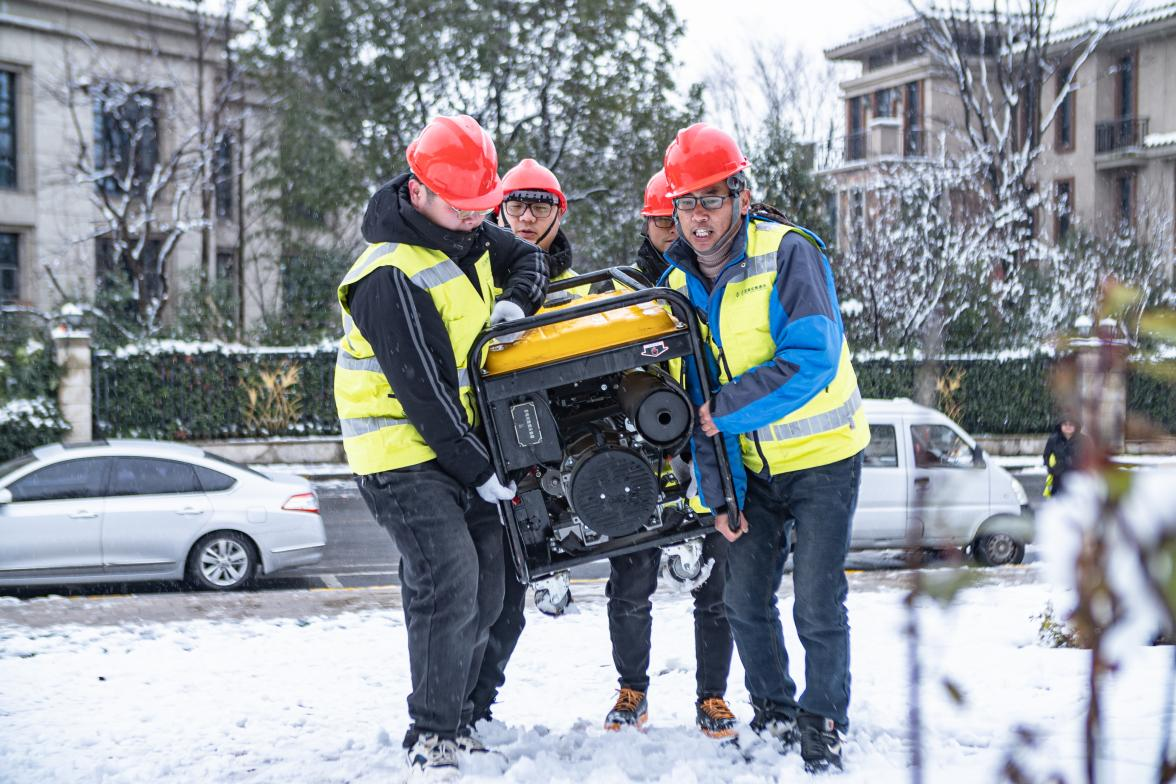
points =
(709, 203)
(540, 210)
(663, 221)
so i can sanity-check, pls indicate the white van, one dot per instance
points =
(926, 482)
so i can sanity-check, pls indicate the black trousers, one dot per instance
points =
(630, 619)
(451, 578)
(504, 636)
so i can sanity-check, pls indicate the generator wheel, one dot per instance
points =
(684, 572)
(548, 605)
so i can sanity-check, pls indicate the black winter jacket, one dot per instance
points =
(1067, 454)
(407, 334)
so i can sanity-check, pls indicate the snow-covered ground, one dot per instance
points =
(317, 694)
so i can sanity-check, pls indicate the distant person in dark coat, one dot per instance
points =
(1064, 452)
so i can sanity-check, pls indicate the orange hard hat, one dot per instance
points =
(699, 156)
(530, 175)
(455, 159)
(657, 202)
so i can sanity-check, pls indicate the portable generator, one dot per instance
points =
(581, 412)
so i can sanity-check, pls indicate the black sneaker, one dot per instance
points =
(433, 757)
(715, 719)
(630, 710)
(774, 725)
(820, 743)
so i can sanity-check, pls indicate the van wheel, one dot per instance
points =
(997, 550)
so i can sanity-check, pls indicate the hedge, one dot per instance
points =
(184, 391)
(178, 391)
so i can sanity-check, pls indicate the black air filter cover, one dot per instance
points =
(658, 408)
(612, 489)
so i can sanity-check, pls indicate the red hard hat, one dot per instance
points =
(656, 200)
(455, 159)
(699, 156)
(530, 175)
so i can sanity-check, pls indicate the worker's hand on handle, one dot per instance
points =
(505, 310)
(723, 526)
(493, 491)
(705, 421)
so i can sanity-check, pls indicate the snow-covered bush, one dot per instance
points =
(28, 382)
(26, 423)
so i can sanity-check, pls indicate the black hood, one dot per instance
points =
(650, 261)
(559, 256)
(390, 217)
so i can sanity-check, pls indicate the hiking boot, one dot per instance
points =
(433, 757)
(630, 710)
(820, 743)
(715, 719)
(775, 726)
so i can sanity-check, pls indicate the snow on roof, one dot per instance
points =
(1128, 21)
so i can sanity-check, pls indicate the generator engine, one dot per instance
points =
(582, 414)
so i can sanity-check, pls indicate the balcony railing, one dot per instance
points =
(1119, 134)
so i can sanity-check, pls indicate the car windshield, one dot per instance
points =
(15, 463)
(234, 464)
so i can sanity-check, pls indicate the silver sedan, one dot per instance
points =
(128, 510)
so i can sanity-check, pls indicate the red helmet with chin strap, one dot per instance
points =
(657, 202)
(530, 175)
(455, 158)
(699, 156)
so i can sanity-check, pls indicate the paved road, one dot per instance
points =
(360, 554)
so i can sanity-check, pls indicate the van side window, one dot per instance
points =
(938, 446)
(882, 451)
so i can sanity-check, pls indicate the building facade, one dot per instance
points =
(123, 149)
(1108, 158)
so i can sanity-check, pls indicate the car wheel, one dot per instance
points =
(683, 572)
(997, 550)
(222, 561)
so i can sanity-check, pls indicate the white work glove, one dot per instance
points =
(493, 491)
(505, 310)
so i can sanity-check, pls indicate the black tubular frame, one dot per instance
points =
(640, 292)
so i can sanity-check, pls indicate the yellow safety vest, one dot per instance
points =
(377, 436)
(830, 427)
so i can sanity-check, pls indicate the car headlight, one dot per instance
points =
(1019, 492)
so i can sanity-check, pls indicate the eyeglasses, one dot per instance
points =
(709, 203)
(461, 214)
(466, 214)
(663, 221)
(540, 210)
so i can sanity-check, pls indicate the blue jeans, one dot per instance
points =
(451, 582)
(815, 506)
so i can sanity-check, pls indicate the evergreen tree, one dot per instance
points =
(584, 86)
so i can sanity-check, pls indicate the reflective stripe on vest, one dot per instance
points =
(377, 436)
(829, 427)
(372, 365)
(818, 423)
